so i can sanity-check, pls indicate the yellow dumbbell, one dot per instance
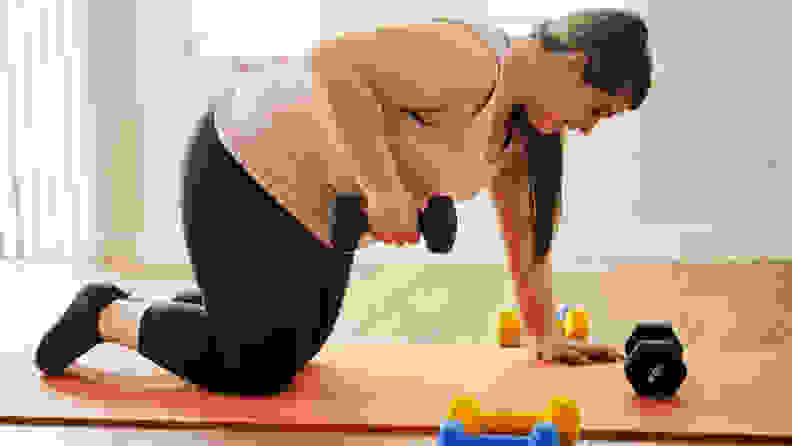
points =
(509, 329)
(576, 325)
(562, 412)
(565, 414)
(466, 410)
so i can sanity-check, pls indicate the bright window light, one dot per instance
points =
(246, 28)
(555, 8)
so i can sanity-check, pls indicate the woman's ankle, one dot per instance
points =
(119, 322)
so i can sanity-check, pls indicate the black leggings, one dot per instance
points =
(271, 291)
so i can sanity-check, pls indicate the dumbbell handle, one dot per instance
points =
(346, 236)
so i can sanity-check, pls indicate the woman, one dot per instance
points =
(395, 115)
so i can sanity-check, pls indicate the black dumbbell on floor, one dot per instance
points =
(654, 364)
(438, 223)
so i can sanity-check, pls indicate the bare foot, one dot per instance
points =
(160, 380)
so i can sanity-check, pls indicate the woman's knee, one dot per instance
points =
(248, 384)
(174, 335)
(254, 370)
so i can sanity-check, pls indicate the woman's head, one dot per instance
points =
(592, 64)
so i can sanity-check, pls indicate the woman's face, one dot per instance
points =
(562, 100)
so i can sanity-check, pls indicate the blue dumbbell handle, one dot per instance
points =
(452, 434)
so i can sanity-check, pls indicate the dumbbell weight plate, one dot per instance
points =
(655, 330)
(654, 365)
(655, 368)
(660, 382)
(347, 236)
(439, 224)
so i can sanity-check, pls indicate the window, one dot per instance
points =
(42, 191)
(250, 28)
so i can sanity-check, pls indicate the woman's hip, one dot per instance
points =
(239, 235)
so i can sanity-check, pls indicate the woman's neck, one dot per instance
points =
(516, 79)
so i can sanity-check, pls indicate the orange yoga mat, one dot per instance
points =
(408, 388)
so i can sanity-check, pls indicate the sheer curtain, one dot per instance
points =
(42, 191)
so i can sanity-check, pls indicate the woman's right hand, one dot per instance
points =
(393, 217)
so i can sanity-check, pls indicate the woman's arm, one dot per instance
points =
(532, 274)
(364, 76)
(353, 117)
(532, 277)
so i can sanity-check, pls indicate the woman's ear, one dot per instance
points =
(577, 60)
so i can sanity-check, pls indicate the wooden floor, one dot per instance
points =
(407, 388)
(89, 437)
(733, 389)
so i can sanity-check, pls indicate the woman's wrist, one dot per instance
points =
(536, 305)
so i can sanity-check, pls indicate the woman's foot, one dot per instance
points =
(76, 332)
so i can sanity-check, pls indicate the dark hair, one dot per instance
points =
(615, 42)
(545, 172)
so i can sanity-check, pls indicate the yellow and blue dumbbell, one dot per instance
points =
(562, 414)
(561, 314)
(575, 322)
(452, 434)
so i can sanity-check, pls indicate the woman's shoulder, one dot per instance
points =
(493, 36)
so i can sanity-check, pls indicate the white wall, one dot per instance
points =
(646, 187)
(173, 88)
(711, 151)
(186, 52)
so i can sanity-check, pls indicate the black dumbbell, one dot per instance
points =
(194, 297)
(654, 365)
(438, 223)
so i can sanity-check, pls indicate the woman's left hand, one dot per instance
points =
(582, 354)
(557, 348)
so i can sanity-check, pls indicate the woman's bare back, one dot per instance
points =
(295, 161)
